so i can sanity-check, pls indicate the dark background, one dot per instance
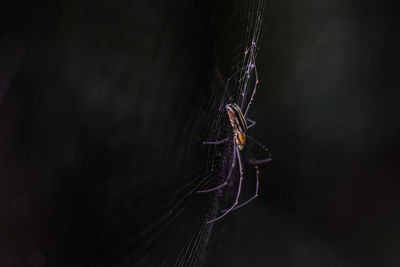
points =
(99, 102)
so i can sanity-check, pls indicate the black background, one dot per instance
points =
(96, 97)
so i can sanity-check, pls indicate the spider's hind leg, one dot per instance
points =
(225, 183)
(252, 123)
(255, 194)
(260, 161)
(257, 185)
(225, 212)
(216, 142)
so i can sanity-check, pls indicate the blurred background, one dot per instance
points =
(103, 108)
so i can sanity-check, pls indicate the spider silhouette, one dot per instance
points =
(239, 125)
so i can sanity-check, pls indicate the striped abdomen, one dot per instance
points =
(238, 123)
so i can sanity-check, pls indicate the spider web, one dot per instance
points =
(180, 237)
(241, 83)
(154, 227)
(125, 209)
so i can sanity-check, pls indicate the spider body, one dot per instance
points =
(238, 123)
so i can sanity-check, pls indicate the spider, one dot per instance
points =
(239, 125)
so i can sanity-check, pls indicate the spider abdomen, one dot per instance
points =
(238, 123)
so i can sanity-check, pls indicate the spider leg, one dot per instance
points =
(255, 194)
(257, 186)
(254, 91)
(252, 123)
(239, 188)
(260, 161)
(216, 142)
(227, 178)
